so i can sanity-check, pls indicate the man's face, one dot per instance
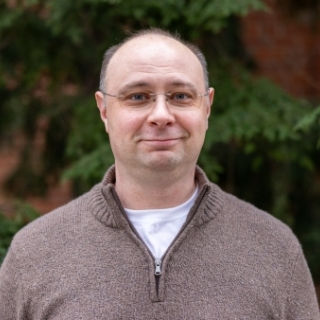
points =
(158, 138)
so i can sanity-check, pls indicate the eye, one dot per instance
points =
(138, 97)
(180, 96)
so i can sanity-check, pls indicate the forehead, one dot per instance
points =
(154, 58)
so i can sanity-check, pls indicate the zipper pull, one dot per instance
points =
(157, 263)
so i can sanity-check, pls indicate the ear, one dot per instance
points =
(209, 103)
(102, 108)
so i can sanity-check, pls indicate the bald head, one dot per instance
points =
(161, 36)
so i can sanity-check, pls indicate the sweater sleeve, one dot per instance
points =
(302, 300)
(11, 295)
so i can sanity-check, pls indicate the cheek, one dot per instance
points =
(196, 125)
(123, 125)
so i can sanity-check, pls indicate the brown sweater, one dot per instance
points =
(84, 261)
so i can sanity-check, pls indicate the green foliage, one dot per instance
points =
(243, 102)
(10, 225)
(310, 120)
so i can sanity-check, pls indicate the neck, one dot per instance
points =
(153, 189)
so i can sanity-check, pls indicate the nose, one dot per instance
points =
(160, 115)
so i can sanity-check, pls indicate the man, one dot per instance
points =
(156, 239)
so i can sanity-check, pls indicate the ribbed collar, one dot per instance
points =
(105, 205)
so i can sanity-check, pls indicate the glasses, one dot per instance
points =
(178, 99)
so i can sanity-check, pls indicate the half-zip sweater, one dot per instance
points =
(85, 261)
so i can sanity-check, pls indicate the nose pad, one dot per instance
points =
(161, 94)
(160, 114)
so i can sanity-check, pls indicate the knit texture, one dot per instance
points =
(84, 261)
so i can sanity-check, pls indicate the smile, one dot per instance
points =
(161, 142)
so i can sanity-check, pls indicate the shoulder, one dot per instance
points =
(55, 228)
(246, 213)
(244, 222)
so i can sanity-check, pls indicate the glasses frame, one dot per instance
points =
(154, 95)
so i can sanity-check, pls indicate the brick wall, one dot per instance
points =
(286, 49)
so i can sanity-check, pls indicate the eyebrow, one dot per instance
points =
(143, 84)
(134, 85)
(189, 85)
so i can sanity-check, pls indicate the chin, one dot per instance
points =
(164, 164)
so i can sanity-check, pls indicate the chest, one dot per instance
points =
(104, 281)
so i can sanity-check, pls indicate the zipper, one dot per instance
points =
(157, 263)
(157, 273)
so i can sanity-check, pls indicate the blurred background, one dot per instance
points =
(263, 144)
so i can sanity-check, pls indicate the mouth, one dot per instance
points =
(163, 139)
(161, 142)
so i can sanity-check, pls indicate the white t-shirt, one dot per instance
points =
(158, 227)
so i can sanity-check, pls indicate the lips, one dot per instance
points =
(160, 143)
(157, 139)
